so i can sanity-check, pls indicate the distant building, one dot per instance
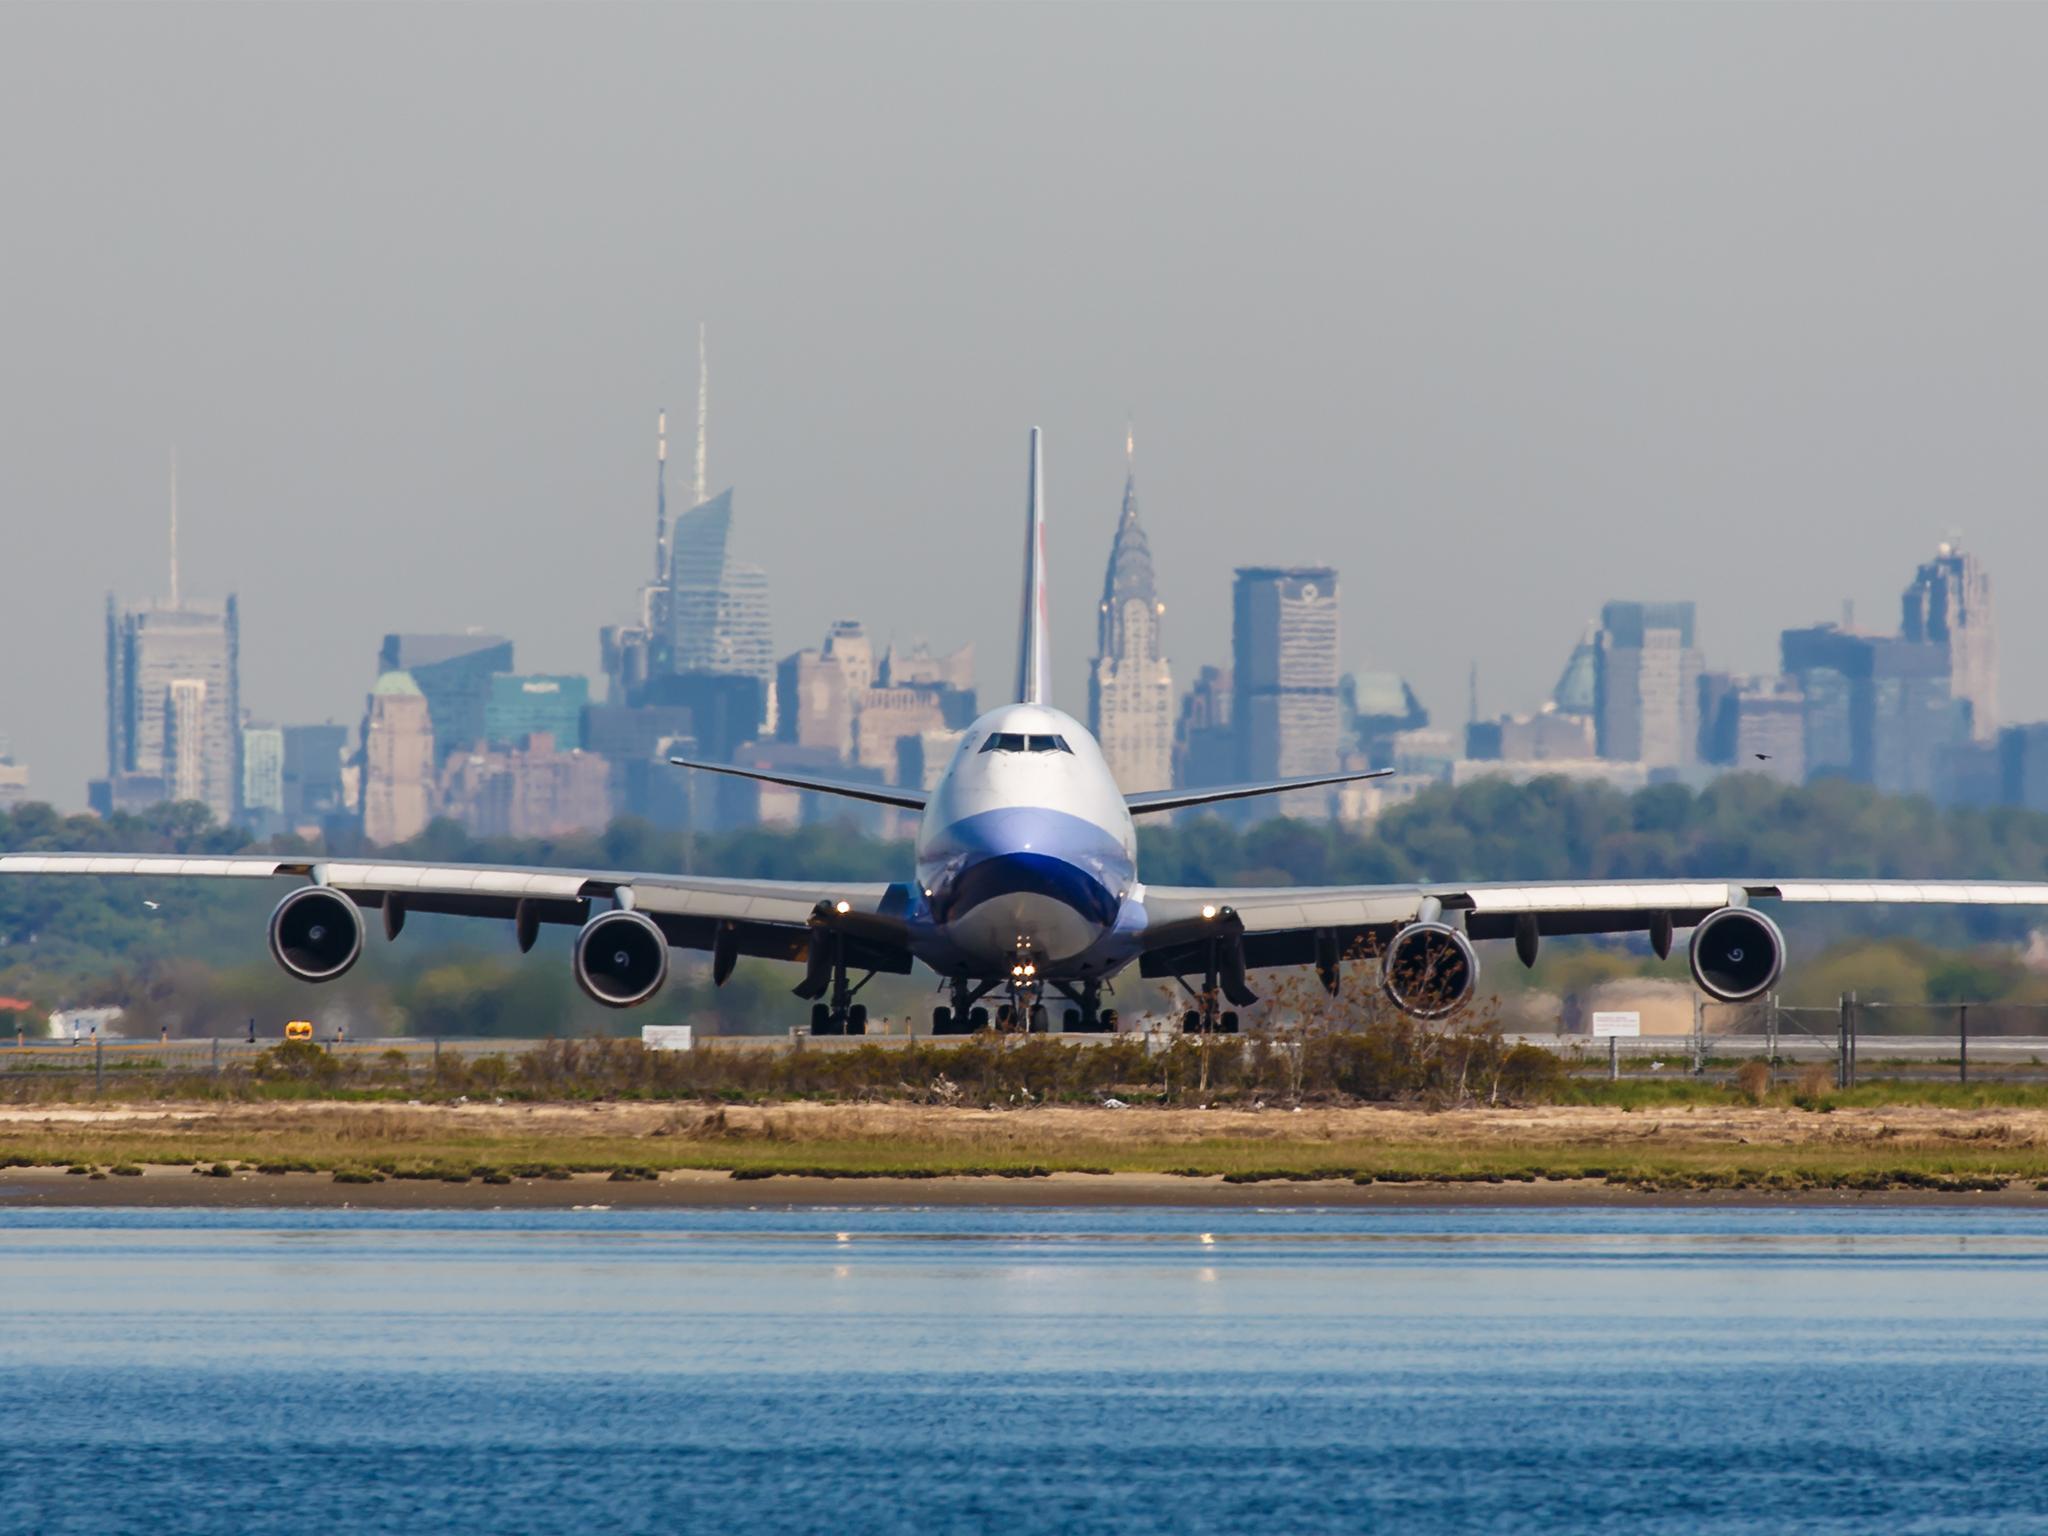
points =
(1284, 668)
(718, 608)
(1949, 604)
(1130, 687)
(13, 781)
(1549, 736)
(816, 690)
(725, 708)
(949, 679)
(1204, 745)
(263, 775)
(1768, 728)
(398, 761)
(637, 742)
(174, 710)
(1578, 686)
(532, 789)
(532, 703)
(1373, 708)
(885, 716)
(313, 773)
(2023, 759)
(453, 673)
(1647, 684)
(1877, 709)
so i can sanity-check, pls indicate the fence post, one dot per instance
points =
(1842, 1041)
(1963, 1037)
(1613, 1059)
(99, 1066)
(1771, 1029)
(437, 1056)
(1699, 1034)
(216, 1055)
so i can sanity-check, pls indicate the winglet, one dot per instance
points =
(1034, 661)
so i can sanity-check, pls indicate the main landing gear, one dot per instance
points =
(840, 1014)
(1026, 1009)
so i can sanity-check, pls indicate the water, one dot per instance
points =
(968, 1370)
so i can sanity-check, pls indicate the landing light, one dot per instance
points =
(1208, 911)
(842, 907)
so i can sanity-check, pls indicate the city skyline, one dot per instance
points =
(1734, 356)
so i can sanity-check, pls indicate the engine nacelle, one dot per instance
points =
(1429, 970)
(621, 958)
(1736, 954)
(316, 933)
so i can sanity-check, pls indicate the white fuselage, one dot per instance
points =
(1026, 850)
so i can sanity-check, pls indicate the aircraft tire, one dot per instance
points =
(857, 1019)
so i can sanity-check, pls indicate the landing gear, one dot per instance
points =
(827, 973)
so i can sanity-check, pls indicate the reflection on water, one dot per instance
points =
(1168, 1370)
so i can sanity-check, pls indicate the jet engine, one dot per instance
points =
(1736, 954)
(1429, 970)
(621, 958)
(316, 933)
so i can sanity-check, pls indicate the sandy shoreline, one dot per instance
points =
(179, 1187)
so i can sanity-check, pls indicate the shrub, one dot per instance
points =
(1753, 1081)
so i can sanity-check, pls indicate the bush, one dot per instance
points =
(1753, 1081)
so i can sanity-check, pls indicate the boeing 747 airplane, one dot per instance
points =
(1026, 888)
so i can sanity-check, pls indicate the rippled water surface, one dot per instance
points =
(969, 1370)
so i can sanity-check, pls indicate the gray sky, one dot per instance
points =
(1504, 311)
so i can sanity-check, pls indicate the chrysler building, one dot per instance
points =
(1130, 689)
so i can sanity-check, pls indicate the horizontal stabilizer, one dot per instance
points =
(876, 794)
(1157, 800)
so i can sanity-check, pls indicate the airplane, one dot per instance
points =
(1025, 886)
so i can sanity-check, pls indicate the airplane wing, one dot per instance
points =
(768, 918)
(1154, 800)
(877, 794)
(1308, 925)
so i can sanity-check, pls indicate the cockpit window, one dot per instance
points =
(1007, 741)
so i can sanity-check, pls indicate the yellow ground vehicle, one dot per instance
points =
(298, 1029)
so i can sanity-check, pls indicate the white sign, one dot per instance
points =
(1625, 1025)
(665, 1037)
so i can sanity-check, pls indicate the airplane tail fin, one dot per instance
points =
(1034, 661)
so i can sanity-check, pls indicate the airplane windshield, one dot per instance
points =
(1007, 741)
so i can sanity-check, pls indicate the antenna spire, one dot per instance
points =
(660, 495)
(174, 525)
(703, 410)
(1130, 448)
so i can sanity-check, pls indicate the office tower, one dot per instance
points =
(453, 673)
(1284, 650)
(1877, 709)
(718, 607)
(2023, 761)
(887, 715)
(637, 741)
(263, 775)
(1204, 745)
(398, 760)
(533, 703)
(173, 707)
(1578, 686)
(1949, 604)
(535, 789)
(1548, 736)
(313, 773)
(948, 678)
(1767, 728)
(1647, 684)
(13, 780)
(1130, 689)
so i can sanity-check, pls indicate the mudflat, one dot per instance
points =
(554, 1154)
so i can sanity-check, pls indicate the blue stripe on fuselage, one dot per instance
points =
(1025, 850)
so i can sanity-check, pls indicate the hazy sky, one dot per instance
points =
(1504, 311)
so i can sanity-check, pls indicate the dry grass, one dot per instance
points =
(1752, 1142)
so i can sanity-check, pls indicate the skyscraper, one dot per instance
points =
(174, 709)
(1949, 604)
(453, 673)
(398, 761)
(1130, 689)
(1285, 712)
(1647, 684)
(1877, 709)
